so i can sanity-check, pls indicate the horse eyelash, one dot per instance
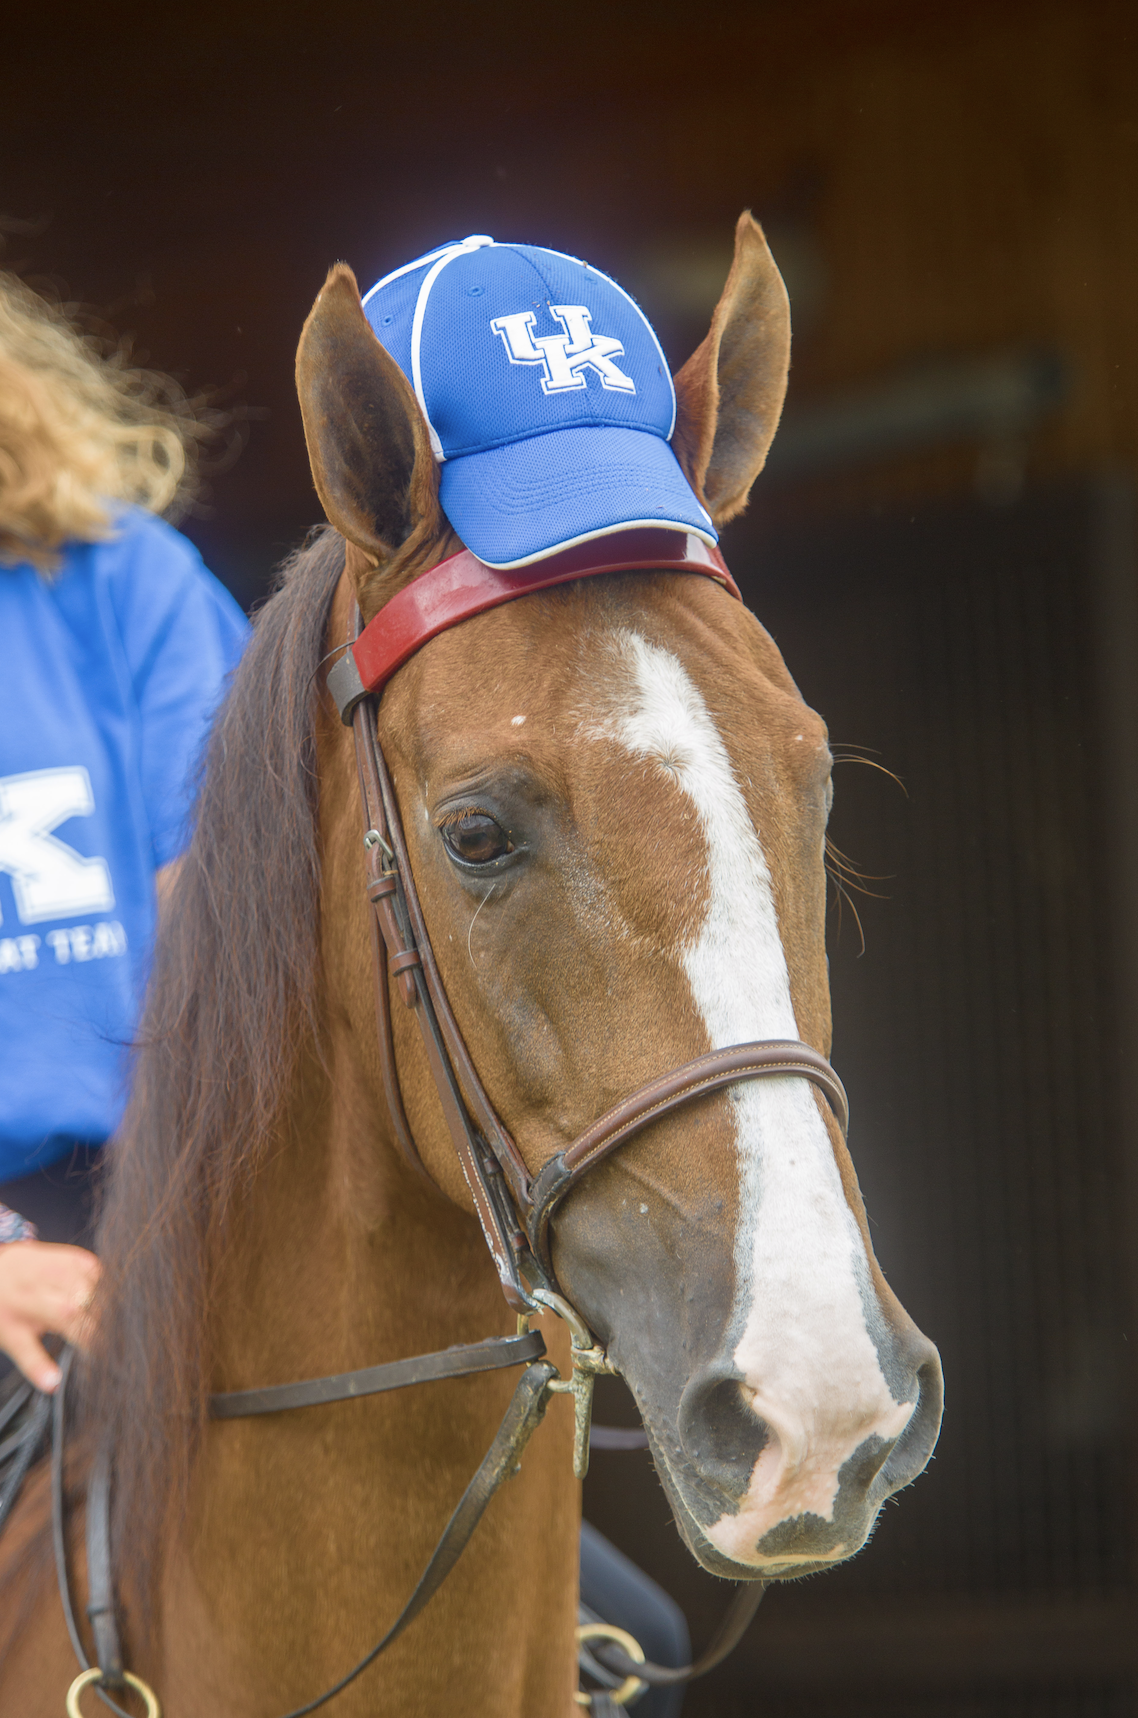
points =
(450, 817)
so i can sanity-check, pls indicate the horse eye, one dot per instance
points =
(476, 839)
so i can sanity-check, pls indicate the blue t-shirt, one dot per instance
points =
(109, 675)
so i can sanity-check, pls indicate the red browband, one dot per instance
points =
(463, 586)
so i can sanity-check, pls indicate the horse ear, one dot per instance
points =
(729, 394)
(368, 441)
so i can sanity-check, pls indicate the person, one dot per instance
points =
(116, 643)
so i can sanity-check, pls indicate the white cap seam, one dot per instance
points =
(476, 242)
(605, 531)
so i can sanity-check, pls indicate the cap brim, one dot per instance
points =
(515, 504)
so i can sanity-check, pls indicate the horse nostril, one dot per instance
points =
(910, 1454)
(719, 1431)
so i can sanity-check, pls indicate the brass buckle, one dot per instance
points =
(631, 1684)
(87, 1677)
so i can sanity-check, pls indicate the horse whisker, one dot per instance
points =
(856, 756)
(839, 865)
(843, 894)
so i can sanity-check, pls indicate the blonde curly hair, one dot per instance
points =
(79, 430)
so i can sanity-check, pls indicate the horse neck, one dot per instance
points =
(345, 1257)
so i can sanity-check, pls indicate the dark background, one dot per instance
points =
(943, 547)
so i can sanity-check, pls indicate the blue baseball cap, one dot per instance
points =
(549, 400)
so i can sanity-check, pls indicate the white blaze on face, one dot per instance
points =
(810, 1368)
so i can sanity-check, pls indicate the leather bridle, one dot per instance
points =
(515, 1209)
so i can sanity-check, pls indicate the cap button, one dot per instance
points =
(476, 241)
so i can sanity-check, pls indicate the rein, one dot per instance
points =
(515, 1210)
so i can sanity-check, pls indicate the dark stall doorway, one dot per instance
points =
(987, 1035)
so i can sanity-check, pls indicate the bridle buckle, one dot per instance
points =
(589, 1360)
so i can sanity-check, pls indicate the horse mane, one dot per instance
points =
(231, 999)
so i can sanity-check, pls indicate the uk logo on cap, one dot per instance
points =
(549, 401)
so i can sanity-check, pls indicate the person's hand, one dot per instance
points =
(43, 1288)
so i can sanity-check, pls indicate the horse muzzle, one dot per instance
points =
(762, 1490)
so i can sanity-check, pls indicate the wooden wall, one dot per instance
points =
(977, 174)
(941, 180)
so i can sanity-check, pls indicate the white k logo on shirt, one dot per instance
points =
(49, 879)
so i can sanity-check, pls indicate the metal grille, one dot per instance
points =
(959, 647)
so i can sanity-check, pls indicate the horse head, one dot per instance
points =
(615, 803)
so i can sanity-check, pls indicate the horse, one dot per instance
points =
(614, 803)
